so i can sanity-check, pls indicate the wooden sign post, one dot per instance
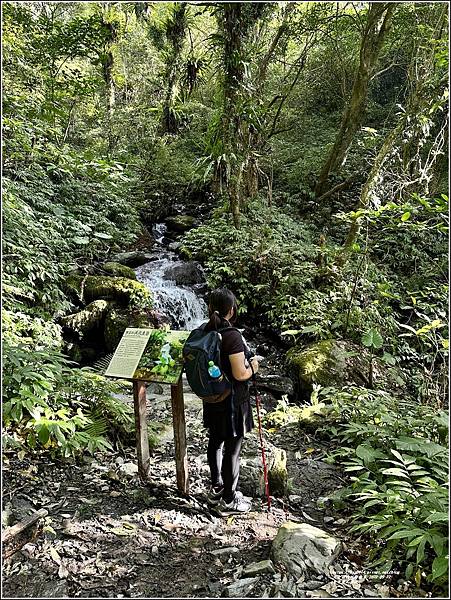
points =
(142, 438)
(178, 423)
(126, 364)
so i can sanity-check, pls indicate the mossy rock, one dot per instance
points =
(118, 270)
(322, 363)
(251, 473)
(116, 322)
(277, 473)
(121, 289)
(134, 259)
(85, 320)
(337, 363)
(180, 223)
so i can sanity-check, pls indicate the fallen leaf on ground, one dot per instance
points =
(56, 557)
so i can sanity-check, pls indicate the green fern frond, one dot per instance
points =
(101, 365)
(98, 427)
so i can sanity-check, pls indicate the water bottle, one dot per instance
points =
(214, 371)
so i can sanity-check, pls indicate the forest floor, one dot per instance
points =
(109, 535)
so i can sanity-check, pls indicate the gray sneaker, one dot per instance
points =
(239, 505)
(214, 496)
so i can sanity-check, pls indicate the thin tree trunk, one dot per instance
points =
(107, 72)
(176, 30)
(369, 188)
(377, 25)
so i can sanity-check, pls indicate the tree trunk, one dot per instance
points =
(108, 64)
(107, 59)
(377, 25)
(228, 172)
(175, 32)
(369, 188)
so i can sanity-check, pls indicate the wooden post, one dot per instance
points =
(178, 422)
(142, 439)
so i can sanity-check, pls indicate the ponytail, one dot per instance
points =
(215, 321)
(221, 302)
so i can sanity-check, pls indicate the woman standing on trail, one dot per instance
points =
(228, 421)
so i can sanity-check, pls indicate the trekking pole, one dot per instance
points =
(265, 468)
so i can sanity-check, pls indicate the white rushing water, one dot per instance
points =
(185, 309)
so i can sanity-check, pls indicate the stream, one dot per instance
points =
(186, 309)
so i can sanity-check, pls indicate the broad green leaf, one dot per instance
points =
(439, 566)
(389, 359)
(409, 570)
(80, 240)
(398, 455)
(405, 216)
(372, 339)
(367, 453)
(406, 533)
(43, 435)
(437, 517)
(103, 236)
(394, 471)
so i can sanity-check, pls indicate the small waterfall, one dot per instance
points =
(179, 303)
(158, 231)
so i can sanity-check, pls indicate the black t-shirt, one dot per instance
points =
(223, 417)
(232, 343)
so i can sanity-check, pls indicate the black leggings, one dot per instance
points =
(224, 469)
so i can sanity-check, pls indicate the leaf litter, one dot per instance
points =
(111, 537)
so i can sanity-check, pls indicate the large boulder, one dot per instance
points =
(118, 270)
(121, 289)
(337, 363)
(85, 320)
(133, 259)
(252, 481)
(180, 223)
(188, 273)
(303, 549)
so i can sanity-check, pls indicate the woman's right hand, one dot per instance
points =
(254, 362)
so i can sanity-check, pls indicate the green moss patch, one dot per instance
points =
(118, 270)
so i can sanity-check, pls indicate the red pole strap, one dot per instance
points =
(265, 468)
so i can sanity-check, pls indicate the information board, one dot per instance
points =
(128, 353)
(149, 355)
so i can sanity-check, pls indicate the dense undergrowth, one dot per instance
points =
(394, 447)
(58, 216)
(395, 452)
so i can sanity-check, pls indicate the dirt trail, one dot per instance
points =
(107, 535)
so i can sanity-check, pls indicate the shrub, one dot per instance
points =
(396, 452)
(49, 406)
